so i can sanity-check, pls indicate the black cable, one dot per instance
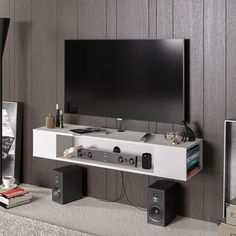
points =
(126, 196)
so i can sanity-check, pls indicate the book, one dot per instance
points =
(189, 173)
(17, 199)
(13, 192)
(14, 205)
(193, 150)
(193, 156)
(193, 162)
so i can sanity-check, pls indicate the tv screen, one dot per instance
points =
(129, 79)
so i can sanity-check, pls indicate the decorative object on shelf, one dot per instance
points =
(187, 133)
(50, 121)
(11, 139)
(72, 151)
(57, 116)
(61, 119)
(4, 25)
(121, 124)
(174, 137)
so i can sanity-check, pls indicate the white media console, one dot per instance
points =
(168, 161)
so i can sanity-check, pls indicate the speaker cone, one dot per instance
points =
(155, 213)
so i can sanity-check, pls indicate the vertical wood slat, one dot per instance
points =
(231, 58)
(92, 25)
(152, 32)
(12, 51)
(44, 38)
(111, 175)
(188, 23)
(132, 22)
(214, 106)
(5, 12)
(66, 29)
(22, 76)
(164, 30)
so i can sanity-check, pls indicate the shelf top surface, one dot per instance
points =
(130, 136)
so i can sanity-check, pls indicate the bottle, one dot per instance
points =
(50, 121)
(61, 119)
(57, 116)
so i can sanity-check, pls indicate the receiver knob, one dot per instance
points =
(120, 159)
(90, 155)
(131, 161)
(80, 153)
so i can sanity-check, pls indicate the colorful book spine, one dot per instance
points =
(193, 162)
(193, 150)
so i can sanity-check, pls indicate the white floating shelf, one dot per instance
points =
(168, 161)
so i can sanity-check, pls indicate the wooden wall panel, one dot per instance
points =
(214, 106)
(132, 22)
(44, 47)
(164, 29)
(33, 60)
(231, 59)
(67, 28)
(11, 37)
(111, 175)
(22, 75)
(92, 25)
(188, 23)
(5, 12)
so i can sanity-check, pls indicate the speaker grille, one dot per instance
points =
(155, 213)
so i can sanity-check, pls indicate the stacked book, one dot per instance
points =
(14, 197)
(193, 159)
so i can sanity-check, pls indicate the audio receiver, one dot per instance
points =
(110, 157)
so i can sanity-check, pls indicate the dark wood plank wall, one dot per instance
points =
(34, 73)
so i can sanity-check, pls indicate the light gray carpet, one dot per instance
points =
(14, 225)
(96, 217)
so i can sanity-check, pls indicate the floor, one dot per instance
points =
(97, 217)
(14, 225)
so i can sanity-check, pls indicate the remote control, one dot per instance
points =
(146, 137)
(87, 130)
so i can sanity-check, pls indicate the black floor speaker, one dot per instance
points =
(67, 184)
(161, 202)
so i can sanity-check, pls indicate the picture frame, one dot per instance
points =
(11, 139)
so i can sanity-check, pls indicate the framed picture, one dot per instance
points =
(11, 139)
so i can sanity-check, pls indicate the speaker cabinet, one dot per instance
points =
(67, 184)
(161, 202)
(147, 161)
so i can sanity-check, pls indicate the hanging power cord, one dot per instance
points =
(126, 196)
(122, 193)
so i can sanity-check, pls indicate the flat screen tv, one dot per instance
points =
(129, 79)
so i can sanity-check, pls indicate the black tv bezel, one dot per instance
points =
(186, 72)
